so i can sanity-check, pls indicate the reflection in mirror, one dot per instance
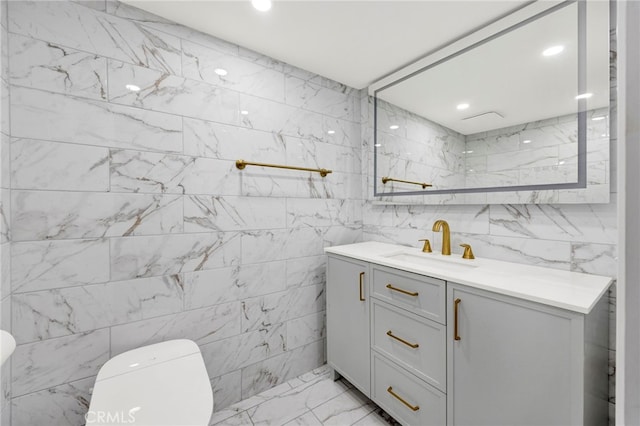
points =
(524, 109)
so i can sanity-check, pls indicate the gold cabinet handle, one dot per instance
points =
(410, 293)
(362, 286)
(456, 302)
(399, 398)
(399, 339)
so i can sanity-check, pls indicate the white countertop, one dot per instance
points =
(573, 291)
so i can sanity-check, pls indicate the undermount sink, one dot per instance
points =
(428, 260)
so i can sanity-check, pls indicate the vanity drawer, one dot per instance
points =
(422, 295)
(423, 405)
(415, 343)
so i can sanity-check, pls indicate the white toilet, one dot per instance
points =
(156, 385)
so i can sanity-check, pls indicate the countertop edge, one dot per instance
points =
(602, 282)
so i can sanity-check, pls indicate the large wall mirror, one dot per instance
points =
(523, 109)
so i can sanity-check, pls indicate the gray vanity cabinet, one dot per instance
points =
(514, 362)
(348, 321)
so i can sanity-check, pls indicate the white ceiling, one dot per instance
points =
(352, 42)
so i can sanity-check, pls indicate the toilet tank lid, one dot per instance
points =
(137, 359)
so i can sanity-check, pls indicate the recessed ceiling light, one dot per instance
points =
(331, 132)
(220, 71)
(378, 145)
(561, 162)
(133, 87)
(553, 50)
(467, 152)
(244, 112)
(527, 141)
(601, 117)
(584, 96)
(462, 106)
(261, 5)
(394, 127)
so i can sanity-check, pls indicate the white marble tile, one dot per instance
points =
(46, 265)
(292, 404)
(467, 219)
(63, 405)
(320, 154)
(171, 94)
(200, 63)
(68, 119)
(593, 223)
(206, 288)
(268, 182)
(200, 325)
(51, 165)
(345, 133)
(278, 369)
(306, 271)
(5, 160)
(137, 171)
(5, 271)
(239, 419)
(42, 365)
(307, 419)
(226, 390)
(372, 419)
(346, 408)
(47, 66)
(304, 330)
(6, 231)
(599, 259)
(135, 257)
(280, 244)
(320, 212)
(47, 314)
(5, 106)
(147, 19)
(548, 253)
(342, 234)
(39, 215)
(306, 95)
(242, 350)
(82, 28)
(228, 142)
(206, 213)
(271, 116)
(275, 308)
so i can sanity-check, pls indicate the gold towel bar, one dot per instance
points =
(388, 179)
(241, 164)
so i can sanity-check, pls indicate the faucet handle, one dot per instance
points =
(468, 253)
(427, 246)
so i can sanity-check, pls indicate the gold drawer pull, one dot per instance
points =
(414, 294)
(456, 303)
(399, 398)
(361, 286)
(411, 345)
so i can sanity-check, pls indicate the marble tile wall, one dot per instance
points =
(5, 211)
(130, 222)
(540, 152)
(409, 147)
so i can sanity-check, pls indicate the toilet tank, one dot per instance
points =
(161, 384)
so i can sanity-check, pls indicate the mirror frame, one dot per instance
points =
(514, 21)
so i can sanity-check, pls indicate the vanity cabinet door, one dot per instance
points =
(512, 362)
(348, 350)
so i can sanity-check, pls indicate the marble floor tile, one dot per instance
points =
(312, 399)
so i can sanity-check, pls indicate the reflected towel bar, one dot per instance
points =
(241, 164)
(388, 179)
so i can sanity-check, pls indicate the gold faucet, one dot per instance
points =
(446, 236)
